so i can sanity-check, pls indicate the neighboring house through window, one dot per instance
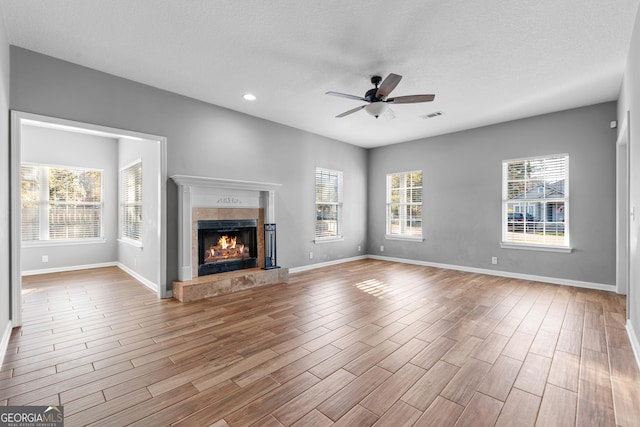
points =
(60, 203)
(328, 204)
(535, 201)
(131, 202)
(404, 205)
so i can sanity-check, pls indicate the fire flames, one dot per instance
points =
(227, 243)
(227, 248)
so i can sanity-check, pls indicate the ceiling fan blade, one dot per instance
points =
(410, 99)
(346, 95)
(388, 85)
(353, 110)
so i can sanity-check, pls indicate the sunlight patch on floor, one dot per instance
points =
(374, 287)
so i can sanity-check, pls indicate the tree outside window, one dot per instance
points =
(535, 201)
(60, 203)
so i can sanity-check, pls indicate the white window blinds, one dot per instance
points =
(404, 204)
(328, 203)
(131, 202)
(535, 202)
(60, 203)
(32, 202)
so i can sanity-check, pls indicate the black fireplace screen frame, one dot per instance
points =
(223, 227)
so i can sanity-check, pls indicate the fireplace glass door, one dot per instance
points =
(226, 245)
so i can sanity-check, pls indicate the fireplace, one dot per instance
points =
(203, 198)
(227, 245)
(211, 201)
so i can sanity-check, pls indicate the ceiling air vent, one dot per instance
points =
(432, 115)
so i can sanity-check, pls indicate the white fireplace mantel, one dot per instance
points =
(203, 192)
(233, 184)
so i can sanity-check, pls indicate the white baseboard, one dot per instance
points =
(139, 278)
(4, 343)
(148, 283)
(325, 264)
(68, 268)
(635, 344)
(544, 279)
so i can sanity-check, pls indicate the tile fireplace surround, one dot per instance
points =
(213, 198)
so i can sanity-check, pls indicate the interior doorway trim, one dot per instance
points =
(18, 119)
(623, 209)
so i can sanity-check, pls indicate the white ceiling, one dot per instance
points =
(487, 61)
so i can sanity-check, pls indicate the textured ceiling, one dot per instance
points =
(487, 61)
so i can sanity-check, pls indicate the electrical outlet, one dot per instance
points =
(135, 261)
(359, 248)
(45, 258)
(310, 255)
(494, 260)
(381, 248)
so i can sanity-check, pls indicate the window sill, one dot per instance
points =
(403, 238)
(328, 239)
(131, 242)
(542, 248)
(49, 243)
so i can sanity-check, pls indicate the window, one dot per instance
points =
(535, 201)
(404, 205)
(131, 202)
(328, 204)
(60, 203)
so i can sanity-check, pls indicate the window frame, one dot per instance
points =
(125, 204)
(338, 203)
(565, 247)
(44, 202)
(405, 195)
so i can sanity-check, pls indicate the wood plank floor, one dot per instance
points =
(362, 343)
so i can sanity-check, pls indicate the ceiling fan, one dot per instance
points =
(377, 97)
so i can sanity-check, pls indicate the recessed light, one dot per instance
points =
(249, 97)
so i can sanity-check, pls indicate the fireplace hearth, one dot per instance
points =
(227, 245)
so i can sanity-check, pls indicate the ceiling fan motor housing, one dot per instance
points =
(370, 96)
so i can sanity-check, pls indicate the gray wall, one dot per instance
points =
(462, 176)
(629, 100)
(5, 225)
(64, 148)
(206, 140)
(462, 171)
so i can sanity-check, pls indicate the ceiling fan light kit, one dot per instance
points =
(377, 97)
(376, 108)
